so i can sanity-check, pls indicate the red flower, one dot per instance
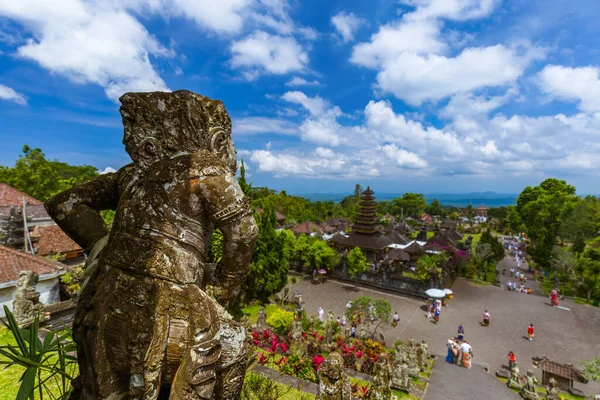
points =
(359, 354)
(284, 347)
(317, 360)
(315, 333)
(262, 359)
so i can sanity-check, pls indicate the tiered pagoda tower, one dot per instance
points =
(366, 220)
(365, 233)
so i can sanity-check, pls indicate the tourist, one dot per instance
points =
(353, 331)
(349, 305)
(396, 319)
(486, 318)
(321, 314)
(343, 320)
(314, 275)
(466, 353)
(436, 315)
(461, 333)
(450, 356)
(511, 360)
(531, 332)
(430, 308)
(339, 321)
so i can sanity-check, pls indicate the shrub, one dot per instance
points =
(281, 321)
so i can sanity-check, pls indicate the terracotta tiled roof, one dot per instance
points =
(307, 228)
(12, 262)
(53, 240)
(9, 196)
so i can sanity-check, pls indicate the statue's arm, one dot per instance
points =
(77, 210)
(231, 212)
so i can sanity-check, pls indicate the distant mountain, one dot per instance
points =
(476, 199)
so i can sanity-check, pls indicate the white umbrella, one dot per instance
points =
(435, 293)
(448, 291)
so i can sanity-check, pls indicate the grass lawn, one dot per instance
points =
(288, 392)
(252, 311)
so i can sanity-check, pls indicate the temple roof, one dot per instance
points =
(563, 370)
(395, 237)
(397, 255)
(375, 242)
(53, 240)
(12, 262)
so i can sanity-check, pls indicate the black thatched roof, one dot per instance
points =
(397, 255)
(415, 248)
(375, 242)
(395, 237)
(453, 235)
(441, 239)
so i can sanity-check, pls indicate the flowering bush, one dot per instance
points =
(368, 366)
(360, 392)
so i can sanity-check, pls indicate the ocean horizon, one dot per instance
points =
(476, 199)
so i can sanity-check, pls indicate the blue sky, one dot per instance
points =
(409, 95)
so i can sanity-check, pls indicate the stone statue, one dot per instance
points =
(552, 392)
(422, 355)
(27, 305)
(412, 359)
(312, 323)
(400, 378)
(513, 381)
(261, 320)
(297, 343)
(528, 392)
(333, 381)
(144, 320)
(381, 388)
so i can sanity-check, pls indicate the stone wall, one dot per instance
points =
(377, 280)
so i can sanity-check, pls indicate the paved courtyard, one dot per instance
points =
(567, 336)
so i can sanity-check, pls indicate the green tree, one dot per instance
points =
(270, 261)
(435, 208)
(316, 253)
(591, 369)
(40, 178)
(357, 262)
(589, 270)
(542, 209)
(244, 185)
(454, 216)
(578, 245)
(410, 204)
(358, 190)
(584, 221)
(375, 312)
(429, 268)
(513, 219)
(496, 247)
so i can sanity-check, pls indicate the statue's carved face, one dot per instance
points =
(332, 367)
(27, 280)
(159, 125)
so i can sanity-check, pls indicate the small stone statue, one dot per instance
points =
(400, 378)
(363, 333)
(412, 359)
(261, 320)
(513, 381)
(313, 321)
(27, 305)
(333, 381)
(381, 388)
(151, 315)
(297, 344)
(528, 392)
(552, 392)
(422, 355)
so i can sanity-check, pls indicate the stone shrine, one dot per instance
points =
(334, 384)
(27, 305)
(261, 320)
(145, 322)
(381, 388)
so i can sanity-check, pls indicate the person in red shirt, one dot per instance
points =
(530, 332)
(511, 360)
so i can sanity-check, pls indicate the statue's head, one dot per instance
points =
(27, 280)
(164, 124)
(333, 367)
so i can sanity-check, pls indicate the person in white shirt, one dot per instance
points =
(396, 319)
(466, 353)
(321, 314)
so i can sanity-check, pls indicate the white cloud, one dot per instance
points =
(262, 52)
(284, 164)
(10, 94)
(458, 10)
(394, 39)
(315, 105)
(415, 78)
(297, 81)
(580, 84)
(346, 24)
(324, 152)
(402, 157)
(107, 170)
(322, 129)
(89, 42)
(260, 125)
(468, 104)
